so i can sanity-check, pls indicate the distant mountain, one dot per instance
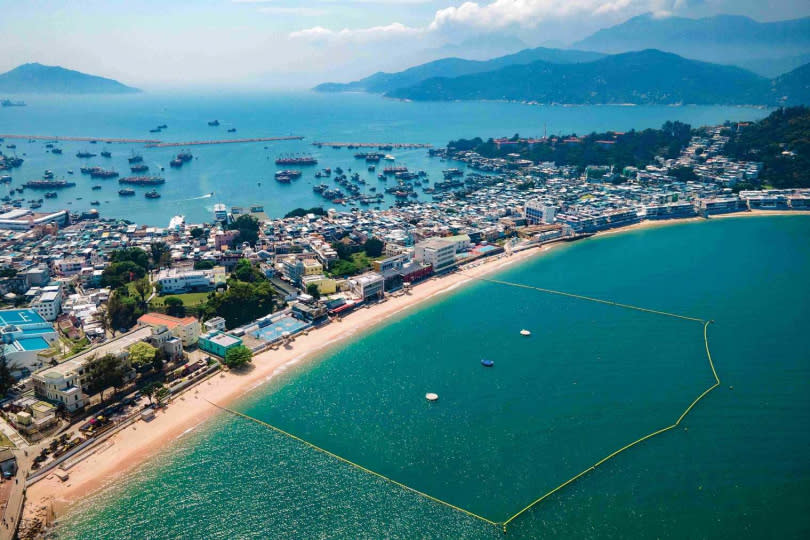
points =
(724, 39)
(480, 47)
(644, 77)
(380, 83)
(794, 87)
(38, 79)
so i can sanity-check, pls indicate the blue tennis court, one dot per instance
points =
(273, 331)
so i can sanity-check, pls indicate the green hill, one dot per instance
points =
(38, 79)
(380, 83)
(644, 77)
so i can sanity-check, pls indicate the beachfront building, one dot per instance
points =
(186, 329)
(536, 212)
(437, 252)
(296, 269)
(24, 334)
(66, 383)
(722, 205)
(395, 262)
(218, 343)
(174, 281)
(368, 286)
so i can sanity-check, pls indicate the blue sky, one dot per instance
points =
(287, 43)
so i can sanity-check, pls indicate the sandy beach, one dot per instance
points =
(137, 443)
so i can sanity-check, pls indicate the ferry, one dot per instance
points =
(220, 212)
(142, 180)
(47, 184)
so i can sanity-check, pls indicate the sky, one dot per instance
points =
(166, 44)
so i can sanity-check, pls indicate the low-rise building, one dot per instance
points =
(368, 286)
(218, 343)
(174, 281)
(24, 334)
(215, 323)
(186, 329)
(437, 252)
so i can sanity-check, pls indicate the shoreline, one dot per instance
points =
(136, 444)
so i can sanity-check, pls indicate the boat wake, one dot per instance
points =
(206, 196)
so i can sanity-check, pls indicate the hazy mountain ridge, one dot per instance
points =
(380, 83)
(767, 48)
(36, 78)
(644, 77)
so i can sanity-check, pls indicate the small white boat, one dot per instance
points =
(525, 332)
(389, 157)
(430, 396)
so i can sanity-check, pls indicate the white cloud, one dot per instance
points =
(361, 35)
(482, 17)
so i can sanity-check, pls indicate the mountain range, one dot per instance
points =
(769, 48)
(39, 79)
(381, 83)
(643, 77)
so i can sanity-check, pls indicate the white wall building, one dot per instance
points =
(438, 252)
(174, 281)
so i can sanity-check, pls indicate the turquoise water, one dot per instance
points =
(33, 343)
(590, 379)
(233, 172)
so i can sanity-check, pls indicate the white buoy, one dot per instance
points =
(525, 332)
(430, 396)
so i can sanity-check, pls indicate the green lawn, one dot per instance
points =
(189, 299)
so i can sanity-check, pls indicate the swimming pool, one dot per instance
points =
(273, 331)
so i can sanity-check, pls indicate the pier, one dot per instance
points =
(372, 145)
(79, 139)
(159, 144)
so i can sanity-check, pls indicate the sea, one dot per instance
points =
(591, 378)
(242, 174)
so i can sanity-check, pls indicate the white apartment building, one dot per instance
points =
(438, 252)
(368, 286)
(174, 281)
(537, 212)
(46, 301)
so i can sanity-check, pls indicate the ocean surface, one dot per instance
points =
(243, 174)
(590, 379)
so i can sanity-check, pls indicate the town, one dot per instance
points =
(104, 321)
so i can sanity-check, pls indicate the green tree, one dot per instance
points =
(246, 271)
(237, 357)
(248, 227)
(143, 288)
(242, 302)
(6, 380)
(134, 255)
(373, 247)
(105, 372)
(142, 353)
(204, 265)
(123, 310)
(8, 271)
(117, 274)
(174, 306)
(197, 232)
(151, 389)
(161, 394)
(160, 254)
(313, 291)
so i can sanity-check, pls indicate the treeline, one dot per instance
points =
(781, 142)
(632, 148)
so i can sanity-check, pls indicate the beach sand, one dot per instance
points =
(137, 443)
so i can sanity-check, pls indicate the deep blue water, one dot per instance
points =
(233, 172)
(590, 379)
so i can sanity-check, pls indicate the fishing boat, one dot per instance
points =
(152, 194)
(525, 333)
(487, 363)
(126, 192)
(106, 154)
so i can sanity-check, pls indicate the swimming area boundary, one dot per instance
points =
(504, 524)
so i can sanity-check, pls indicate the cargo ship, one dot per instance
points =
(48, 184)
(296, 160)
(142, 180)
